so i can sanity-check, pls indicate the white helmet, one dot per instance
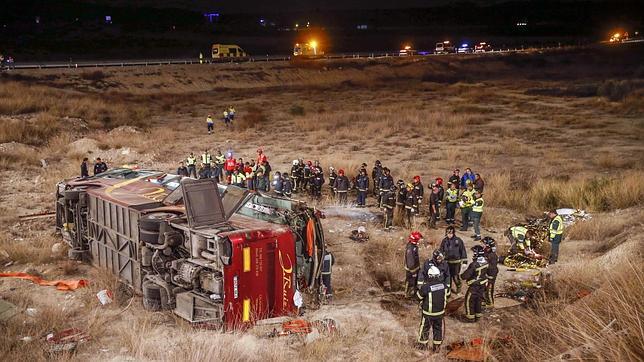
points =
(296, 162)
(433, 272)
(362, 229)
(331, 168)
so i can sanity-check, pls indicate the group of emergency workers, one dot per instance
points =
(228, 116)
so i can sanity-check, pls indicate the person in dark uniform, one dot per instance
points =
(492, 269)
(437, 260)
(84, 168)
(341, 187)
(376, 173)
(412, 263)
(433, 298)
(99, 166)
(327, 263)
(362, 184)
(182, 170)
(411, 205)
(388, 206)
(287, 185)
(384, 184)
(316, 183)
(454, 250)
(332, 176)
(476, 277)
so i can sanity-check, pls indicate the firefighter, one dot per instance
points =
(307, 175)
(84, 167)
(466, 203)
(182, 170)
(99, 166)
(205, 160)
(476, 214)
(278, 184)
(476, 278)
(341, 187)
(210, 124)
(363, 166)
(419, 190)
(332, 176)
(433, 299)
(455, 178)
(492, 269)
(288, 185)
(385, 183)
(327, 264)
(454, 250)
(362, 183)
(295, 175)
(388, 206)
(437, 260)
(249, 172)
(316, 185)
(230, 166)
(434, 206)
(451, 200)
(556, 229)
(441, 195)
(401, 198)
(412, 263)
(375, 176)
(411, 204)
(261, 156)
(191, 161)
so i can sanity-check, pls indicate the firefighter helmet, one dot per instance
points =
(362, 229)
(439, 181)
(438, 255)
(341, 172)
(433, 272)
(477, 250)
(296, 162)
(378, 163)
(416, 178)
(309, 163)
(415, 237)
(489, 242)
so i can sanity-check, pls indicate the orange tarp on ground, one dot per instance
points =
(64, 285)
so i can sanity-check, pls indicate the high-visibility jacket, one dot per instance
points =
(238, 178)
(191, 161)
(468, 198)
(206, 158)
(478, 205)
(556, 227)
(225, 114)
(220, 160)
(433, 297)
(209, 119)
(452, 195)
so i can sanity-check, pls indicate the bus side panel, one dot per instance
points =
(284, 275)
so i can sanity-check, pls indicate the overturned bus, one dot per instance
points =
(216, 255)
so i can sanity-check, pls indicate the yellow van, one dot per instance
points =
(227, 51)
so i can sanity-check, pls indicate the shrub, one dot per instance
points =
(297, 110)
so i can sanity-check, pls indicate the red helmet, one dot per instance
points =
(439, 181)
(341, 172)
(415, 237)
(309, 163)
(416, 178)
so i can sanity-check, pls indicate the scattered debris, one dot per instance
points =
(105, 296)
(359, 235)
(63, 285)
(311, 331)
(39, 215)
(7, 310)
(32, 312)
(571, 216)
(477, 349)
(66, 341)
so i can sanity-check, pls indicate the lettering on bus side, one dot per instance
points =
(286, 278)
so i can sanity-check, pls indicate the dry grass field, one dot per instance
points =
(563, 128)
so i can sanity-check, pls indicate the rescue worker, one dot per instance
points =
(205, 160)
(327, 265)
(182, 170)
(385, 183)
(412, 263)
(210, 124)
(454, 250)
(433, 299)
(451, 200)
(341, 187)
(362, 184)
(230, 165)
(295, 175)
(476, 278)
(288, 185)
(318, 181)
(363, 166)
(191, 161)
(419, 190)
(476, 214)
(467, 176)
(434, 206)
(200, 58)
(411, 204)
(492, 269)
(250, 176)
(84, 168)
(466, 203)
(220, 160)
(99, 166)
(441, 195)
(231, 113)
(455, 178)
(519, 238)
(307, 175)
(267, 174)
(401, 198)
(438, 261)
(388, 206)
(237, 178)
(261, 156)
(226, 118)
(260, 181)
(479, 184)
(556, 229)
(332, 176)
(375, 176)
(278, 184)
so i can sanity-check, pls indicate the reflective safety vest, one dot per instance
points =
(478, 205)
(219, 160)
(452, 195)
(191, 161)
(518, 234)
(469, 195)
(209, 120)
(225, 114)
(559, 230)
(238, 178)
(205, 159)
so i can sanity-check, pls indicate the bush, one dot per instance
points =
(254, 117)
(297, 110)
(617, 90)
